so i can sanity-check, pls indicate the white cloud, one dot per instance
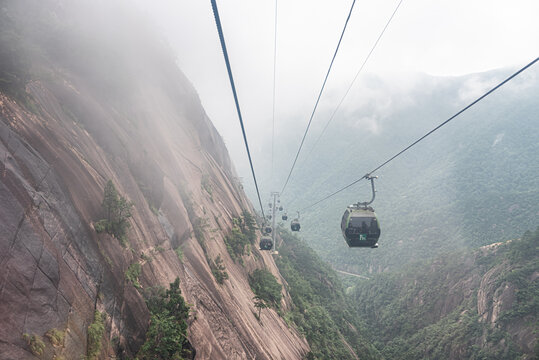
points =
(475, 87)
(368, 123)
(499, 138)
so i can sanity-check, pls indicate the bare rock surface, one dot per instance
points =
(55, 270)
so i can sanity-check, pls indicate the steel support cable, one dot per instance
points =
(231, 78)
(296, 198)
(355, 78)
(427, 134)
(319, 96)
(274, 72)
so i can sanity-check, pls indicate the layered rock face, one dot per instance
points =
(143, 127)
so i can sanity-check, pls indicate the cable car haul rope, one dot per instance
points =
(231, 78)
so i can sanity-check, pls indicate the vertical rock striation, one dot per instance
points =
(139, 123)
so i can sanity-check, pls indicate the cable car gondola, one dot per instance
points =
(266, 243)
(285, 217)
(267, 229)
(359, 224)
(360, 227)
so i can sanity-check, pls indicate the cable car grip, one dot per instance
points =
(365, 204)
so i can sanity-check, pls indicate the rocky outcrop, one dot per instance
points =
(58, 148)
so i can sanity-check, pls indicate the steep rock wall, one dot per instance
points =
(59, 145)
(56, 269)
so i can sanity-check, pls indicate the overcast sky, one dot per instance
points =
(440, 37)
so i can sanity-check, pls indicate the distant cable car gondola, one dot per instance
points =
(280, 208)
(359, 224)
(266, 243)
(294, 225)
(267, 229)
(285, 217)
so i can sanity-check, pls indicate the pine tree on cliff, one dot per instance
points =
(166, 337)
(110, 200)
(260, 304)
(117, 210)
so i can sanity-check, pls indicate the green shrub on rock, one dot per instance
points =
(96, 330)
(35, 342)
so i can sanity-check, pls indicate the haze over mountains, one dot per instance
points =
(427, 291)
(471, 183)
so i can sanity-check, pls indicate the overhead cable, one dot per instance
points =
(355, 78)
(229, 69)
(274, 72)
(427, 134)
(319, 96)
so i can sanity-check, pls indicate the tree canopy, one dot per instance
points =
(166, 337)
(266, 287)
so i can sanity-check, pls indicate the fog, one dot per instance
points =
(445, 38)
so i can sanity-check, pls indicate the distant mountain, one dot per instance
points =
(471, 183)
(481, 304)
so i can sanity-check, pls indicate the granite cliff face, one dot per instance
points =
(66, 128)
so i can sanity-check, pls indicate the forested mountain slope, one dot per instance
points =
(91, 100)
(481, 304)
(320, 309)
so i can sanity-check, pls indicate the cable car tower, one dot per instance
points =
(274, 207)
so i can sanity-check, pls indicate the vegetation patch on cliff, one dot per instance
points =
(35, 343)
(266, 288)
(117, 211)
(132, 274)
(242, 235)
(96, 330)
(56, 337)
(218, 270)
(166, 337)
